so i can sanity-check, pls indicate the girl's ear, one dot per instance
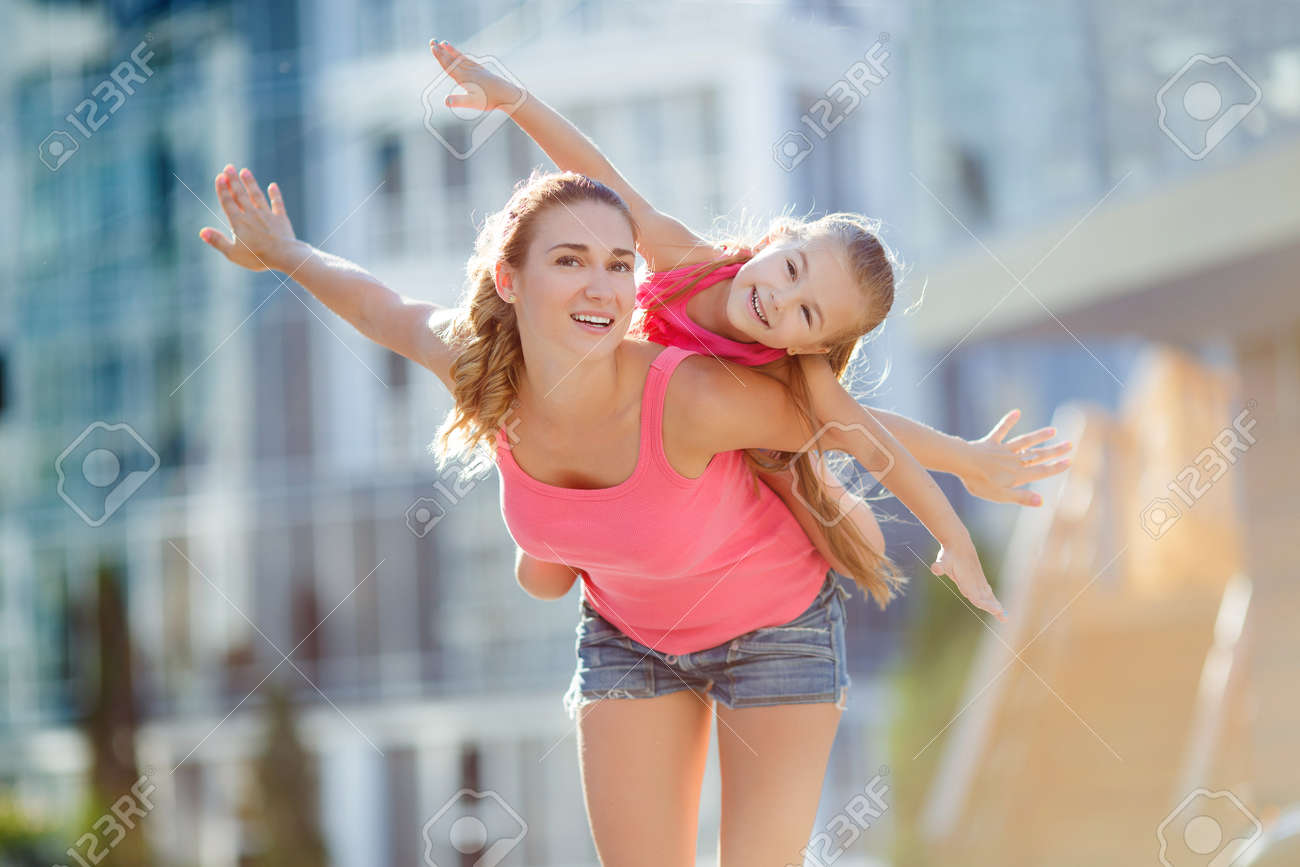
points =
(505, 282)
(821, 350)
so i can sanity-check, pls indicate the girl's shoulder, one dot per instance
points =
(676, 286)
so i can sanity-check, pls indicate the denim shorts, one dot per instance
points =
(799, 662)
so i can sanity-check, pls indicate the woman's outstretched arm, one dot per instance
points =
(664, 241)
(264, 240)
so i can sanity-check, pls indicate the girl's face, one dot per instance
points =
(576, 289)
(795, 295)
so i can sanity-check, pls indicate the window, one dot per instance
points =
(391, 194)
(524, 154)
(398, 369)
(972, 174)
(390, 166)
(375, 26)
(161, 169)
(706, 122)
(455, 170)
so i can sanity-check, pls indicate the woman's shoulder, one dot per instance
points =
(637, 357)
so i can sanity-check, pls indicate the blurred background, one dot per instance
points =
(245, 621)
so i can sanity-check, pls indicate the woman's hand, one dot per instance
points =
(994, 470)
(263, 234)
(962, 564)
(484, 89)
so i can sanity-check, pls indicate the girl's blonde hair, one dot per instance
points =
(486, 372)
(871, 265)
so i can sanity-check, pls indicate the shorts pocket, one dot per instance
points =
(788, 640)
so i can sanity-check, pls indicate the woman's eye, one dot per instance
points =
(807, 315)
(622, 266)
(789, 264)
(564, 260)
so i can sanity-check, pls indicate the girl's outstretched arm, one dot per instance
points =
(264, 240)
(992, 467)
(719, 406)
(663, 241)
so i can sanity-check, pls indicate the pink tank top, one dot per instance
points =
(670, 326)
(675, 563)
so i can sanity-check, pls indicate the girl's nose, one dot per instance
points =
(778, 298)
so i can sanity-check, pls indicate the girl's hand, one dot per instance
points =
(263, 234)
(485, 90)
(995, 470)
(962, 565)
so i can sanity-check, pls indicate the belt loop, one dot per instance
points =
(843, 593)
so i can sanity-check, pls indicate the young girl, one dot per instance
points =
(808, 290)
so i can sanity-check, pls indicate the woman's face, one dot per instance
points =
(803, 291)
(576, 289)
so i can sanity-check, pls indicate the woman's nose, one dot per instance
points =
(600, 287)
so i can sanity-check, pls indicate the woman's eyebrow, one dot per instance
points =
(583, 248)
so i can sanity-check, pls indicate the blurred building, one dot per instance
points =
(1117, 196)
(285, 502)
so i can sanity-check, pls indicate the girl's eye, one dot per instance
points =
(564, 260)
(807, 315)
(623, 266)
(789, 264)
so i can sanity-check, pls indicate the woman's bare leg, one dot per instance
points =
(773, 763)
(642, 763)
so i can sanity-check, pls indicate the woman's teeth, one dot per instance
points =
(758, 311)
(594, 321)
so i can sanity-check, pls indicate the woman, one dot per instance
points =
(630, 437)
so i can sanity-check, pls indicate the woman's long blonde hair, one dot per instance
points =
(872, 266)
